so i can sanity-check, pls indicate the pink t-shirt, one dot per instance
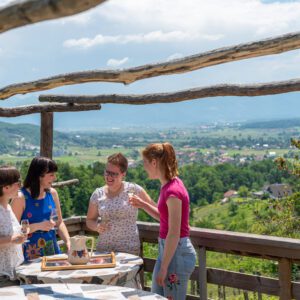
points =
(174, 188)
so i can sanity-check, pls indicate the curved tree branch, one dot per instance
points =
(33, 11)
(248, 90)
(219, 56)
(39, 108)
(61, 184)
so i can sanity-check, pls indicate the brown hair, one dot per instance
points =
(165, 154)
(118, 159)
(8, 176)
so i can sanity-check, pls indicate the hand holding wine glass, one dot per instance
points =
(25, 228)
(131, 190)
(103, 224)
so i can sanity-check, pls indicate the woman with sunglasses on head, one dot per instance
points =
(39, 203)
(117, 224)
(177, 256)
(11, 238)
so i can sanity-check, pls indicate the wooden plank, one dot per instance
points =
(251, 250)
(251, 283)
(285, 276)
(235, 242)
(220, 90)
(202, 278)
(65, 183)
(40, 108)
(74, 229)
(28, 12)
(46, 141)
(273, 45)
(237, 280)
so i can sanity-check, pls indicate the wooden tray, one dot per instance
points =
(107, 260)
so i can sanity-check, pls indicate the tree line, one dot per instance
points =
(206, 184)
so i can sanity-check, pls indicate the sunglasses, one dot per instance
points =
(111, 174)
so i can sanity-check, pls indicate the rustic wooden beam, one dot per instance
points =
(40, 108)
(65, 183)
(202, 274)
(46, 139)
(285, 277)
(32, 11)
(190, 63)
(248, 90)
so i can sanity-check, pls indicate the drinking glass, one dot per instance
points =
(104, 222)
(54, 217)
(25, 228)
(131, 190)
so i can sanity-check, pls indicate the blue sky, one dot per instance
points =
(127, 33)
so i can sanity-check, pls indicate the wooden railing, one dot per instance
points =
(283, 250)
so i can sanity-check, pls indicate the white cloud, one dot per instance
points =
(206, 24)
(153, 36)
(116, 62)
(211, 18)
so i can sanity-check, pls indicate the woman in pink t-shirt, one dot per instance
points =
(177, 256)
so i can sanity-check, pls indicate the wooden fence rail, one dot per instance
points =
(284, 250)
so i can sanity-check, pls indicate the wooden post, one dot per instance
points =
(285, 276)
(46, 141)
(142, 278)
(202, 273)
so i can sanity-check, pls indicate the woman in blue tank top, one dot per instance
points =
(36, 202)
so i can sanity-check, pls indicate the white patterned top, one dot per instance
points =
(11, 255)
(122, 234)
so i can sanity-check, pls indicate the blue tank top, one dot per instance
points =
(40, 242)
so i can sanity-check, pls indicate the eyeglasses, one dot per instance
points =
(111, 174)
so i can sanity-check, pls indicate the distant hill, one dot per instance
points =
(273, 124)
(15, 137)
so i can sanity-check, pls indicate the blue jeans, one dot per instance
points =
(179, 270)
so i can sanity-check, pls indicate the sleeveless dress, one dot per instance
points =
(11, 255)
(122, 235)
(40, 242)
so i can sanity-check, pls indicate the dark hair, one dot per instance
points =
(39, 167)
(165, 154)
(118, 159)
(8, 176)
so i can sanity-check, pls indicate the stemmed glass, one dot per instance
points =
(131, 190)
(104, 222)
(54, 217)
(25, 228)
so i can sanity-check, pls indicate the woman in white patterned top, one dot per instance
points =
(117, 227)
(11, 238)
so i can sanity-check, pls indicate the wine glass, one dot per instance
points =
(131, 190)
(104, 222)
(54, 217)
(25, 228)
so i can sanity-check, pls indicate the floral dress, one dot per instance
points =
(122, 234)
(11, 255)
(40, 242)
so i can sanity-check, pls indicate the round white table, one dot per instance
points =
(74, 292)
(123, 274)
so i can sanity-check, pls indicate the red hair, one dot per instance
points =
(165, 154)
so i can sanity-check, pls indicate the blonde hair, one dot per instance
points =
(165, 154)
